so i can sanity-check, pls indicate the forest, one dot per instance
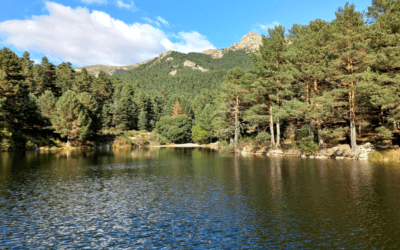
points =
(311, 86)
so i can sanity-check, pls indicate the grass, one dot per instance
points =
(385, 156)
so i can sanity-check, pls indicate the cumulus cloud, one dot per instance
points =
(121, 4)
(163, 21)
(191, 42)
(86, 38)
(267, 26)
(94, 1)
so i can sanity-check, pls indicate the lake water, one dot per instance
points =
(195, 199)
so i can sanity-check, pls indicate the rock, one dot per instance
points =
(320, 157)
(339, 152)
(249, 42)
(292, 152)
(277, 152)
(192, 65)
(245, 151)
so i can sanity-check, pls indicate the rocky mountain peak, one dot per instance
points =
(250, 42)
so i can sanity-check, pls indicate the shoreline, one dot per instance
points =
(366, 152)
(185, 145)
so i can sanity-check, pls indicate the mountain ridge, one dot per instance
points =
(249, 42)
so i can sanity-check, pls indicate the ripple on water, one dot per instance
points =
(204, 202)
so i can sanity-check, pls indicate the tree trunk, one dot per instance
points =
(271, 124)
(320, 141)
(352, 122)
(278, 127)
(237, 123)
(315, 85)
(307, 94)
(353, 135)
(278, 133)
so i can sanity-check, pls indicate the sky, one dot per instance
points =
(125, 32)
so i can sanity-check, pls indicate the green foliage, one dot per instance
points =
(177, 129)
(307, 145)
(159, 139)
(262, 137)
(6, 142)
(142, 123)
(333, 133)
(224, 146)
(47, 103)
(122, 141)
(199, 135)
(70, 118)
(385, 133)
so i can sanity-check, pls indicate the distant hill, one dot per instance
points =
(185, 74)
(249, 42)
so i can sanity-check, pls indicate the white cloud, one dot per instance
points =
(190, 42)
(267, 26)
(94, 1)
(147, 19)
(157, 23)
(85, 38)
(162, 20)
(121, 4)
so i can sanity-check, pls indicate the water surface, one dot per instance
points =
(195, 198)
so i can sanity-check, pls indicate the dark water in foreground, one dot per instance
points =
(195, 198)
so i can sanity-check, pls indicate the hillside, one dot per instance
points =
(184, 73)
(249, 42)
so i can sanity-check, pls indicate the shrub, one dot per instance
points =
(224, 146)
(6, 141)
(385, 133)
(307, 145)
(199, 135)
(121, 141)
(176, 129)
(262, 137)
(159, 139)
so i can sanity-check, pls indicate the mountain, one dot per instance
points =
(249, 42)
(186, 74)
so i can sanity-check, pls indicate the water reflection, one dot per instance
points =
(185, 198)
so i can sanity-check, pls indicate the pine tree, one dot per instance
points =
(232, 95)
(48, 77)
(177, 109)
(275, 74)
(142, 123)
(65, 77)
(102, 88)
(382, 81)
(83, 82)
(92, 107)
(47, 103)
(349, 47)
(70, 118)
(27, 68)
(12, 89)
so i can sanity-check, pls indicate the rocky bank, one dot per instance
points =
(342, 151)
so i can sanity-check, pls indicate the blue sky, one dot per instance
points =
(124, 32)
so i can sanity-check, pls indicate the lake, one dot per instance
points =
(195, 199)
